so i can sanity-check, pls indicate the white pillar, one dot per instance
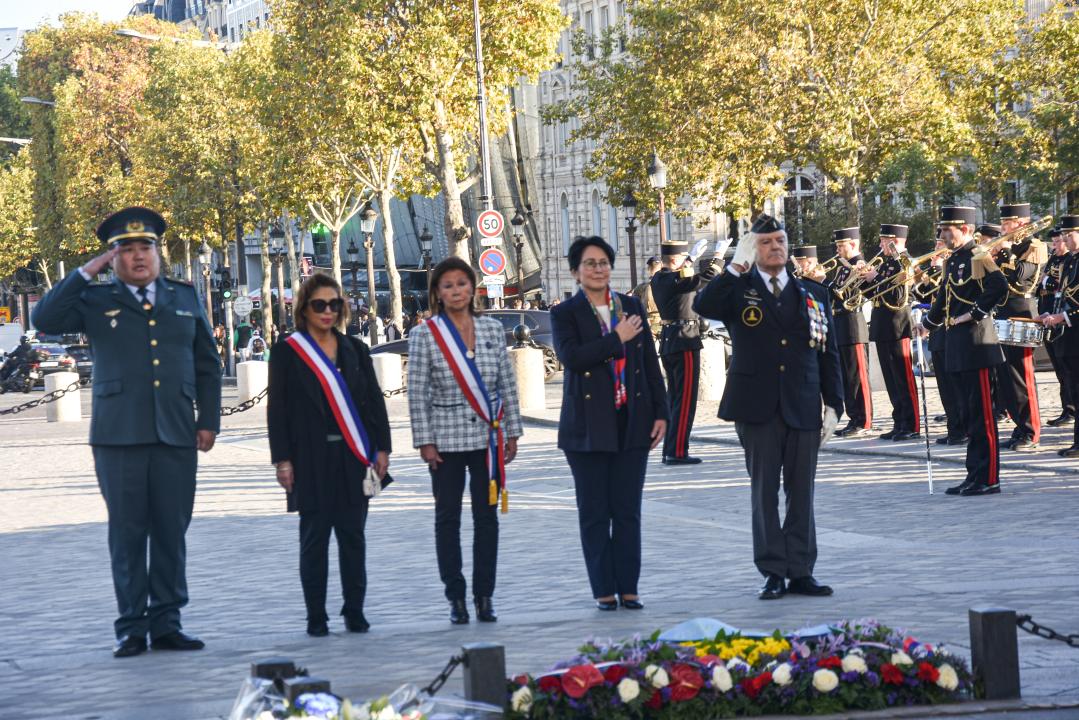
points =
(713, 370)
(252, 377)
(69, 407)
(388, 370)
(527, 365)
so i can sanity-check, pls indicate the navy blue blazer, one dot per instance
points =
(588, 422)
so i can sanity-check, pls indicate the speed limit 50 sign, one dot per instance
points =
(490, 223)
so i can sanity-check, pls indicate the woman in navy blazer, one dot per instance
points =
(614, 410)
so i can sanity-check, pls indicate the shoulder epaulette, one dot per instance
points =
(179, 281)
(1038, 253)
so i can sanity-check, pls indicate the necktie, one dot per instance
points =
(143, 293)
(775, 286)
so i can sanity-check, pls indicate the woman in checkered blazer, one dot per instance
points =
(452, 437)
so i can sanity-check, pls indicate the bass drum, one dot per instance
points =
(1021, 332)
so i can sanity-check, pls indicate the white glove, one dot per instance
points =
(721, 249)
(697, 250)
(831, 419)
(372, 483)
(745, 253)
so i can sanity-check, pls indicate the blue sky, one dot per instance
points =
(27, 14)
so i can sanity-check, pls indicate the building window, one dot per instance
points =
(1011, 192)
(590, 35)
(612, 226)
(1073, 202)
(798, 207)
(597, 215)
(564, 224)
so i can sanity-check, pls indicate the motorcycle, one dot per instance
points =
(22, 379)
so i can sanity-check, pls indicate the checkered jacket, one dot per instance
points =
(439, 412)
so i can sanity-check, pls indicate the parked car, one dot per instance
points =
(53, 358)
(84, 360)
(537, 321)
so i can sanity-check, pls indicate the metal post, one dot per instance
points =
(485, 673)
(481, 102)
(209, 301)
(662, 219)
(994, 652)
(519, 246)
(231, 341)
(281, 312)
(631, 231)
(369, 245)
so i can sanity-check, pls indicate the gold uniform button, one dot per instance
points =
(587, 374)
(783, 341)
(782, 368)
(153, 322)
(156, 361)
(153, 343)
(587, 397)
(157, 383)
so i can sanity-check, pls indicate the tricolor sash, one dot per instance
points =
(489, 408)
(337, 395)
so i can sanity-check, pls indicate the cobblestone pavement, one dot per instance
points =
(891, 550)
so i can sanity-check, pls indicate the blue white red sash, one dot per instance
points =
(490, 409)
(337, 395)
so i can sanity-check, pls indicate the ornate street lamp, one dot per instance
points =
(277, 255)
(206, 254)
(354, 267)
(425, 249)
(518, 222)
(629, 209)
(367, 227)
(657, 178)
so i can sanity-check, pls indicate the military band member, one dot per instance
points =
(1047, 296)
(1021, 264)
(673, 289)
(890, 327)
(852, 332)
(804, 260)
(971, 287)
(784, 376)
(1066, 314)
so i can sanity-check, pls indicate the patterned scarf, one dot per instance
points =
(618, 365)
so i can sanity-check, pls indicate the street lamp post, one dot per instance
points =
(425, 249)
(354, 266)
(277, 255)
(519, 245)
(629, 207)
(367, 227)
(206, 254)
(657, 178)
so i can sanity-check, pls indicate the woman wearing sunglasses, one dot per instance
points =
(614, 410)
(462, 399)
(330, 442)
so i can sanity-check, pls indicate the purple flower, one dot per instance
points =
(889, 699)
(849, 676)
(872, 678)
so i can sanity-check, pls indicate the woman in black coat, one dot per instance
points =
(325, 480)
(614, 410)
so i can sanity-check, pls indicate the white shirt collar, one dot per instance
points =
(782, 277)
(151, 291)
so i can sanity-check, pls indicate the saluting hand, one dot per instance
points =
(628, 328)
(102, 261)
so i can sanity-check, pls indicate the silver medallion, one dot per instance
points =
(113, 323)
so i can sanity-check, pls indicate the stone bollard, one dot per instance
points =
(387, 370)
(252, 377)
(69, 407)
(713, 370)
(294, 687)
(994, 652)
(527, 365)
(485, 673)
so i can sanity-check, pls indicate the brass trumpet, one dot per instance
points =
(1018, 235)
(888, 284)
(826, 267)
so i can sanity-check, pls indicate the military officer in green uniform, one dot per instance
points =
(154, 359)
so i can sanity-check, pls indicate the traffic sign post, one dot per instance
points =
(494, 291)
(490, 223)
(243, 306)
(492, 261)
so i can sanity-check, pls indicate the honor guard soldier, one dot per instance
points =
(154, 361)
(971, 287)
(673, 289)
(1063, 321)
(888, 288)
(1047, 296)
(851, 332)
(1021, 264)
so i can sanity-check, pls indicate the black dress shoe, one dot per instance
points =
(1072, 451)
(889, 435)
(807, 586)
(940, 418)
(634, 604)
(1023, 444)
(956, 489)
(944, 440)
(687, 460)
(177, 641)
(980, 488)
(773, 589)
(961, 440)
(357, 623)
(1063, 419)
(906, 435)
(129, 646)
(607, 605)
(854, 432)
(459, 612)
(485, 610)
(318, 628)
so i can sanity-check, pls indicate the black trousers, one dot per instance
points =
(774, 451)
(149, 492)
(895, 364)
(347, 523)
(1071, 365)
(858, 402)
(951, 397)
(1018, 390)
(683, 380)
(448, 485)
(1067, 399)
(983, 448)
(609, 488)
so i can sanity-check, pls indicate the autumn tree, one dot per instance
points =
(17, 245)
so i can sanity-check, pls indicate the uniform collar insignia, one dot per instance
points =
(112, 313)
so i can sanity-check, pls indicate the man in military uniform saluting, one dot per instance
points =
(154, 358)
(1051, 285)
(673, 289)
(972, 285)
(851, 332)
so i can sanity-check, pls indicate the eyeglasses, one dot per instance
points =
(600, 265)
(321, 306)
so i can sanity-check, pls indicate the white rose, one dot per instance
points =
(363, 712)
(628, 689)
(854, 663)
(901, 658)
(721, 678)
(737, 663)
(782, 674)
(948, 678)
(825, 680)
(387, 713)
(265, 715)
(521, 700)
(657, 676)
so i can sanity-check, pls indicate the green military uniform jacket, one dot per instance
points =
(150, 367)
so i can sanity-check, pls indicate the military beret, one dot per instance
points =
(1016, 211)
(765, 224)
(896, 231)
(952, 215)
(850, 233)
(131, 224)
(804, 251)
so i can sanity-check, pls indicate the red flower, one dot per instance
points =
(550, 684)
(706, 660)
(752, 686)
(685, 683)
(579, 679)
(521, 679)
(891, 674)
(927, 673)
(614, 674)
(656, 701)
(830, 662)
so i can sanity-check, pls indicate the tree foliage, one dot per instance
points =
(17, 244)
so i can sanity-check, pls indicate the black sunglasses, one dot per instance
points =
(320, 306)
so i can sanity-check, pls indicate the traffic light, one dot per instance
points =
(226, 294)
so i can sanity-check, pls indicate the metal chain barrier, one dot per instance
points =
(47, 398)
(245, 405)
(435, 685)
(399, 391)
(1025, 622)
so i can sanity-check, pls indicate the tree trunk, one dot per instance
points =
(166, 258)
(852, 202)
(389, 255)
(294, 255)
(265, 292)
(188, 269)
(457, 231)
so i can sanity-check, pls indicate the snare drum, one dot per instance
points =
(1022, 332)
